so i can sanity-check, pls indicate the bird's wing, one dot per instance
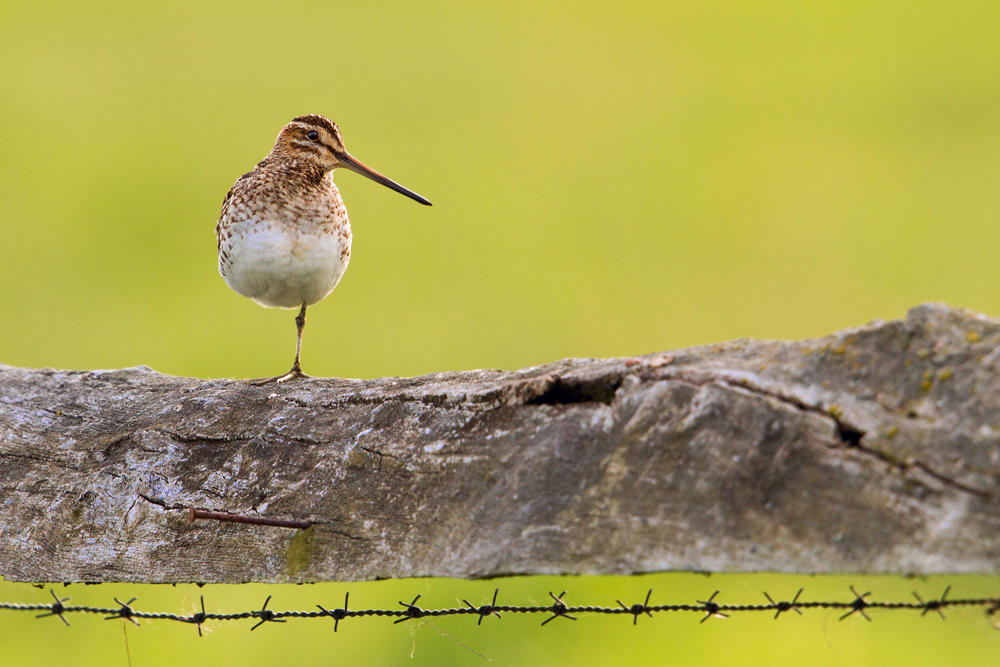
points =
(241, 184)
(238, 185)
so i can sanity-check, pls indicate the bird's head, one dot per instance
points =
(315, 139)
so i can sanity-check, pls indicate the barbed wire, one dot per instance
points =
(860, 604)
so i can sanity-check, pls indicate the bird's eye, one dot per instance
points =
(313, 135)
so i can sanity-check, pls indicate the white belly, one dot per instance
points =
(283, 270)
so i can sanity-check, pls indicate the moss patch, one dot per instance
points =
(298, 554)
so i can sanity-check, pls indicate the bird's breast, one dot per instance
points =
(283, 241)
(284, 263)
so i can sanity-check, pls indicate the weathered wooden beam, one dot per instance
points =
(872, 450)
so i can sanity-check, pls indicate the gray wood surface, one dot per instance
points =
(872, 450)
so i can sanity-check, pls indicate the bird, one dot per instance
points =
(283, 235)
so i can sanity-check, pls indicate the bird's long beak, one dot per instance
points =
(349, 162)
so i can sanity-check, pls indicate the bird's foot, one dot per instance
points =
(293, 374)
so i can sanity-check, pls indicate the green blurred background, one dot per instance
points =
(608, 179)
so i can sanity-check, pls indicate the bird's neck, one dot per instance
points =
(290, 167)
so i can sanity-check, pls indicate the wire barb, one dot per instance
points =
(994, 608)
(711, 608)
(785, 606)
(57, 608)
(338, 614)
(265, 615)
(934, 605)
(486, 609)
(412, 610)
(199, 618)
(859, 605)
(637, 609)
(558, 608)
(125, 611)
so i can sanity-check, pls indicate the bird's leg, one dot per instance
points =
(300, 324)
(296, 372)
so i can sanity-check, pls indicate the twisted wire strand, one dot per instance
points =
(860, 604)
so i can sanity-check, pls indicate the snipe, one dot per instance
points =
(284, 236)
